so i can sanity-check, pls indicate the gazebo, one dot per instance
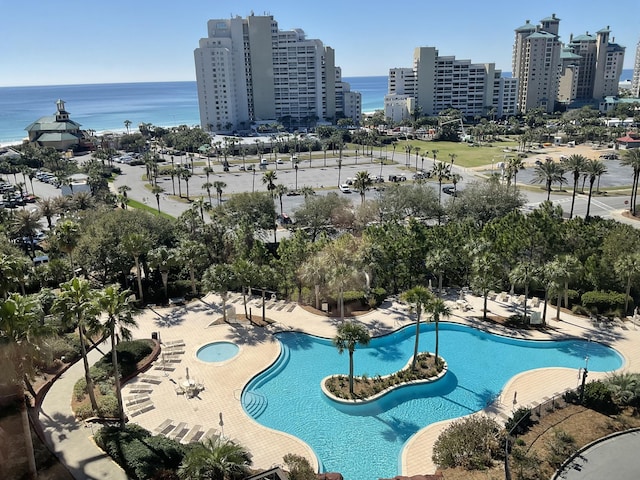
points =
(57, 131)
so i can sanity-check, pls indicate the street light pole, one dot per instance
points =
(296, 167)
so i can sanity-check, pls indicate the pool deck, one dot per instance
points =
(154, 402)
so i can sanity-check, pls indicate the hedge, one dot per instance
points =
(138, 452)
(598, 301)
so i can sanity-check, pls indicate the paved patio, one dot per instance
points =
(155, 403)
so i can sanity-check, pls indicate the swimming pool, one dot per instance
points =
(365, 441)
(217, 352)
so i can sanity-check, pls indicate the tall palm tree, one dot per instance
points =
(157, 190)
(127, 124)
(574, 164)
(220, 279)
(566, 269)
(548, 173)
(280, 191)
(207, 186)
(119, 317)
(163, 259)
(485, 276)
(268, 179)
(362, 182)
(350, 335)
(523, 274)
(628, 267)
(437, 261)
(441, 171)
(219, 186)
(77, 306)
(594, 169)
(122, 190)
(25, 223)
(67, 234)
(215, 458)
(438, 309)
(47, 208)
(313, 272)
(185, 174)
(417, 297)
(514, 165)
(22, 335)
(136, 244)
(192, 254)
(631, 158)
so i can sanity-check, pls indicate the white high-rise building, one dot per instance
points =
(248, 70)
(436, 83)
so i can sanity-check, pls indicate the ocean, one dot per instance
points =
(105, 107)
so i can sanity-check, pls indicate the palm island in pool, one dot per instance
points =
(365, 440)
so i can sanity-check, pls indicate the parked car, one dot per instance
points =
(344, 188)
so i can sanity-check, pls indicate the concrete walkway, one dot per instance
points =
(155, 404)
(70, 439)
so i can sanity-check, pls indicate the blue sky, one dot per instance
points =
(44, 42)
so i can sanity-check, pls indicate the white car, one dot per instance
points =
(279, 161)
(344, 188)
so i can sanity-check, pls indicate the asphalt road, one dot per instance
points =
(320, 177)
(613, 458)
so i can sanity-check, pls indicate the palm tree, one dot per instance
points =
(548, 173)
(631, 158)
(157, 190)
(455, 179)
(173, 172)
(215, 458)
(418, 297)
(594, 169)
(437, 261)
(219, 186)
(192, 254)
(350, 335)
(119, 316)
(127, 124)
(628, 267)
(486, 276)
(441, 171)
(22, 335)
(362, 182)
(67, 235)
(207, 171)
(438, 309)
(574, 164)
(280, 191)
(25, 223)
(47, 208)
(77, 305)
(135, 244)
(341, 259)
(523, 274)
(268, 179)
(163, 259)
(313, 272)
(185, 174)
(220, 279)
(566, 269)
(453, 157)
(514, 165)
(122, 190)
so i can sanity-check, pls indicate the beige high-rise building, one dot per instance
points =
(248, 70)
(586, 69)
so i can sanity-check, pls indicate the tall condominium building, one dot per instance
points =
(635, 83)
(436, 83)
(249, 71)
(587, 68)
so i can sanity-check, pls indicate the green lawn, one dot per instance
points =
(466, 155)
(147, 208)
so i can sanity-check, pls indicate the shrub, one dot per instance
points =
(139, 453)
(598, 301)
(67, 346)
(597, 396)
(108, 406)
(472, 443)
(561, 447)
(520, 422)
(298, 467)
(129, 354)
(580, 310)
(80, 389)
(379, 294)
(84, 411)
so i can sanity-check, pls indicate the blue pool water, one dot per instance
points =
(364, 442)
(217, 352)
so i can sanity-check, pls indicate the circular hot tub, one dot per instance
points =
(217, 352)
